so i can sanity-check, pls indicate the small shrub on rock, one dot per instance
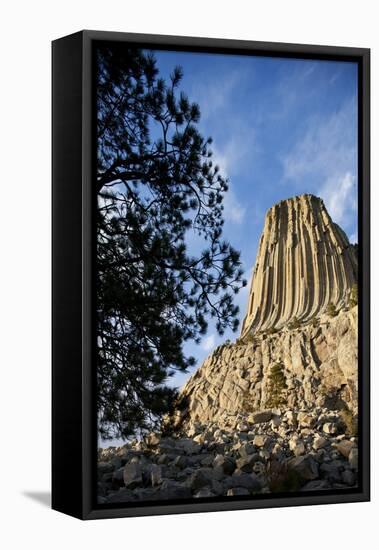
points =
(331, 310)
(350, 421)
(249, 338)
(282, 479)
(354, 295)
(295, 323)
(277, 386)
(315, 322)
(247, 402)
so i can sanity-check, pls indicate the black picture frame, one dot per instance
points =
(73, 374)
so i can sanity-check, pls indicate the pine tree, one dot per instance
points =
(315, 321)
(295, 323)
(354, 295)
(277, 386)
(156, 182)
(331, 310)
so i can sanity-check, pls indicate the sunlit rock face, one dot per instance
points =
(319, 366)
(304, 263)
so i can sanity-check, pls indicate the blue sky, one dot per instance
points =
(280, 127)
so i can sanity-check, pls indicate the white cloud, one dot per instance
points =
(215, 95)
(208, 343)
(353, 238)
(327, 145)
(324, 161)
(237, 142)
(229, 160)
(290, 91)
(233, 210)
(308, 70)
(242, 298)
(339, 195)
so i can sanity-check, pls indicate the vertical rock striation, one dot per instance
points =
(276, 410)
(304, 262)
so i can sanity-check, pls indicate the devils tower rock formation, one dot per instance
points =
(304, 263)
(275, 411)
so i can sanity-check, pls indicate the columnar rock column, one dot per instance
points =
(304, 262)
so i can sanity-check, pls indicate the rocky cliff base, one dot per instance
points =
(318, 361)
(269, 451)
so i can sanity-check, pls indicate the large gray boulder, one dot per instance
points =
(200, 478)
(226, 464)
(132, 475)
(173, 490)
(305, 467)
(251, 482)
(260, 416)
(344, 447)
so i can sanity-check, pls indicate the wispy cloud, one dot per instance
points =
(228, 159)
(292, 88)
(353, 238)
(214, 94)
(233, 210)
(235, 139)
(242, 298)
(340, 197)
(324, 161)
(328, 144)
(208, 343)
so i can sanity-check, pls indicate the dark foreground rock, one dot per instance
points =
(241, 455)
